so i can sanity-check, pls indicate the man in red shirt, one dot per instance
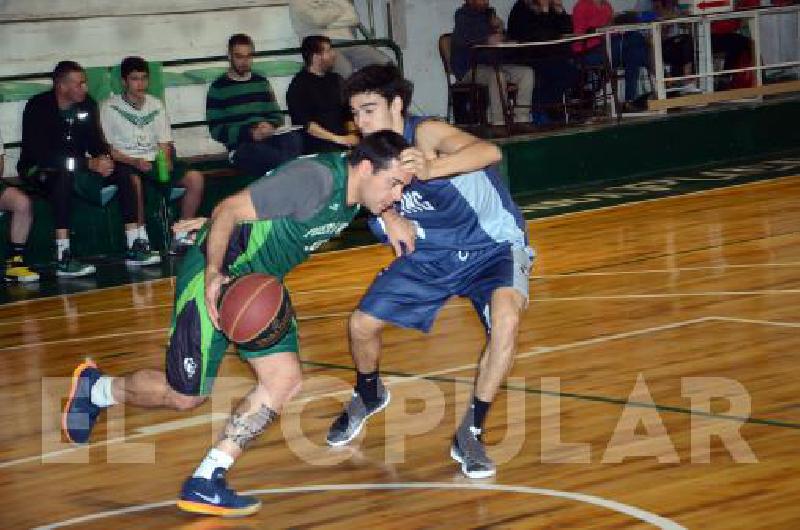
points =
(737, 48)
(628, 50)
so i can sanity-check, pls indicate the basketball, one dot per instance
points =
(255, 311)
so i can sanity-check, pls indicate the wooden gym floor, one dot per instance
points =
(655, 385)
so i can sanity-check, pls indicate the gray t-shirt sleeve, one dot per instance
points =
(298, 189)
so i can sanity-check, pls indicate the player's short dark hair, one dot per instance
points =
(382, 79)
(312, 45)
(238, 39)
(133, 64)
(380, 148)
(64, 68)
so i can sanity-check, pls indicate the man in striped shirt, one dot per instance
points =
(242, 114)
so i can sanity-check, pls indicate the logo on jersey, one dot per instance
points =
(328, 229)
(413, 202)
(189, 366)
(324, 233)
(135, 119)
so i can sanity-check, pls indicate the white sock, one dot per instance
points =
(214, 459)
(102, 396)
(131, 234)
(143, 233)
(61, 246)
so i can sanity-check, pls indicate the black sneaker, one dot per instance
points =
(354, 416)
(69, 267)
(468, 450)
(140, 254)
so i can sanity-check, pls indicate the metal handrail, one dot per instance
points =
(655, 28)
(705, 20)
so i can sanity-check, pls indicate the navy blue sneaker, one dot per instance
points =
(213, 497)
(80, 414)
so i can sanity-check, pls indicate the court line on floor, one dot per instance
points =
(530, 353)
(528, 221)
(399, 377)
(83, 339)
(86, 314)
(587, 397)
(691, 194)
(666, 271)
(170, 279)
(297, 293)
(611, 505)
(574, 395)
(342, 314)
(534, 300)
(450, 306)
(757, 321)
(765, 292)
(589, 273)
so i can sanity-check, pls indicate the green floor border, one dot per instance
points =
(591, 196)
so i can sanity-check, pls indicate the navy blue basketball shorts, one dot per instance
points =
(411, 290)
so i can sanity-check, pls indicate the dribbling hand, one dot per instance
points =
(189, 225)
(401, 232)
(214, 281)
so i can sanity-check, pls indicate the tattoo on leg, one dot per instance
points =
(242, 428)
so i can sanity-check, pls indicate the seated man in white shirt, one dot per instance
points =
(137, 128)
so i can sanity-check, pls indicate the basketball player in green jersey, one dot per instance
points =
(270, 227)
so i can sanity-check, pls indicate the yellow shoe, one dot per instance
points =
(16, 270)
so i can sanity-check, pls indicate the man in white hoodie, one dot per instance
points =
(337, 20)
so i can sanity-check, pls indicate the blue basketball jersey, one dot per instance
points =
(466, 212)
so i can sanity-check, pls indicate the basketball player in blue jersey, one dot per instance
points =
(456, 236)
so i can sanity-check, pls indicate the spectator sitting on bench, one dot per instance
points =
(629, 50)
(242, 114)
(315, 100)
(63, 150)
(337, 20)
(736, 48)
(477, 23)
(18, 204)
(539, 21)
(137, 127)
(677, 48)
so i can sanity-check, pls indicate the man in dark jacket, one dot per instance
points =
(539, 21)
(315, 100)
(63, 150)
(476, 23)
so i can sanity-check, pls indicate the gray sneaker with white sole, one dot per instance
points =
(354, 416)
